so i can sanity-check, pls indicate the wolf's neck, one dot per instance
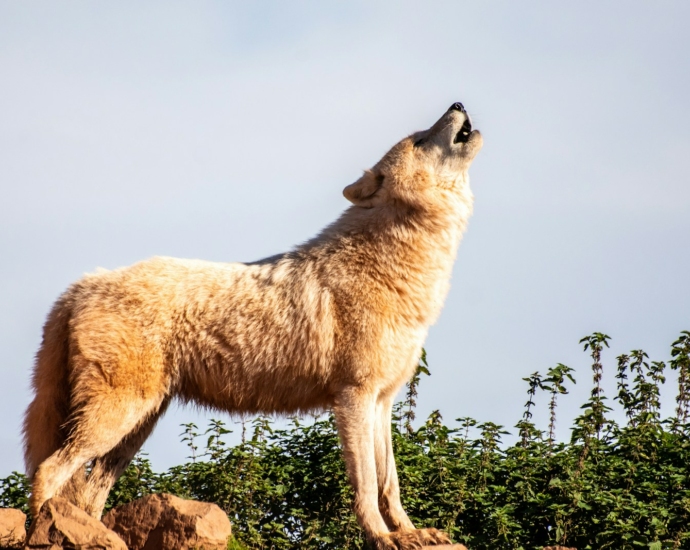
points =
(406, 256)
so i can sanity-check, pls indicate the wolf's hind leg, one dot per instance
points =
(73, 488)
(99, 426)
(108, 468)
(55, 472)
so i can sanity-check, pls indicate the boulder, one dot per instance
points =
(166, 521)
(60, 524)
(12, 528)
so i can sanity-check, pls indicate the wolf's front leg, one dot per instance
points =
(389, 490)
(355, 413)
(387, 476)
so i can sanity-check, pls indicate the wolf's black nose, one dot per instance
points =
(457, 106)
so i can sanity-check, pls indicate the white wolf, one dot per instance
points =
(338, 322)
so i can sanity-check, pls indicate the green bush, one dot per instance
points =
(611, 486)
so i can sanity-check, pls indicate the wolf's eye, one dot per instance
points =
(419, 142)
(379, 179)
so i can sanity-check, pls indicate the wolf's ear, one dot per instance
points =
(365, 191)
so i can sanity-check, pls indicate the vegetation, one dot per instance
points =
(623, 486)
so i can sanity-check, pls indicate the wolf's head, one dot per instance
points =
(422, 168)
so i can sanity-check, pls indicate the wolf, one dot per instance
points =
(337, 323)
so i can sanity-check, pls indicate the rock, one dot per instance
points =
(166, 521)
(12, 530)
(60, 524)
(445, 547)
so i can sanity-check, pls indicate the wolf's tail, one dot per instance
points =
(44, 421)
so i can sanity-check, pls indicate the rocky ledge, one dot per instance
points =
(154, 522)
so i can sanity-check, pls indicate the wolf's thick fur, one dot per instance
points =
(338, 322)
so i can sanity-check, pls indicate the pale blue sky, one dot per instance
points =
(226, 131)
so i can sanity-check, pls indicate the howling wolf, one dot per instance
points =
(338, 323)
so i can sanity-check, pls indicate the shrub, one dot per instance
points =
(623, 486)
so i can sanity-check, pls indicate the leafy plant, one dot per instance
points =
(618, 486)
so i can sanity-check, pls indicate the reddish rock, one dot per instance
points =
(60, 524)
(12, 530)
(166, 521)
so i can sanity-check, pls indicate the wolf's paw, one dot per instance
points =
(411, 540)
(432, 537)
(398, 540)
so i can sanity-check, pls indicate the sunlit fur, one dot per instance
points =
(337, 323)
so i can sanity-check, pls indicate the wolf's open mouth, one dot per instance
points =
(464, 134)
